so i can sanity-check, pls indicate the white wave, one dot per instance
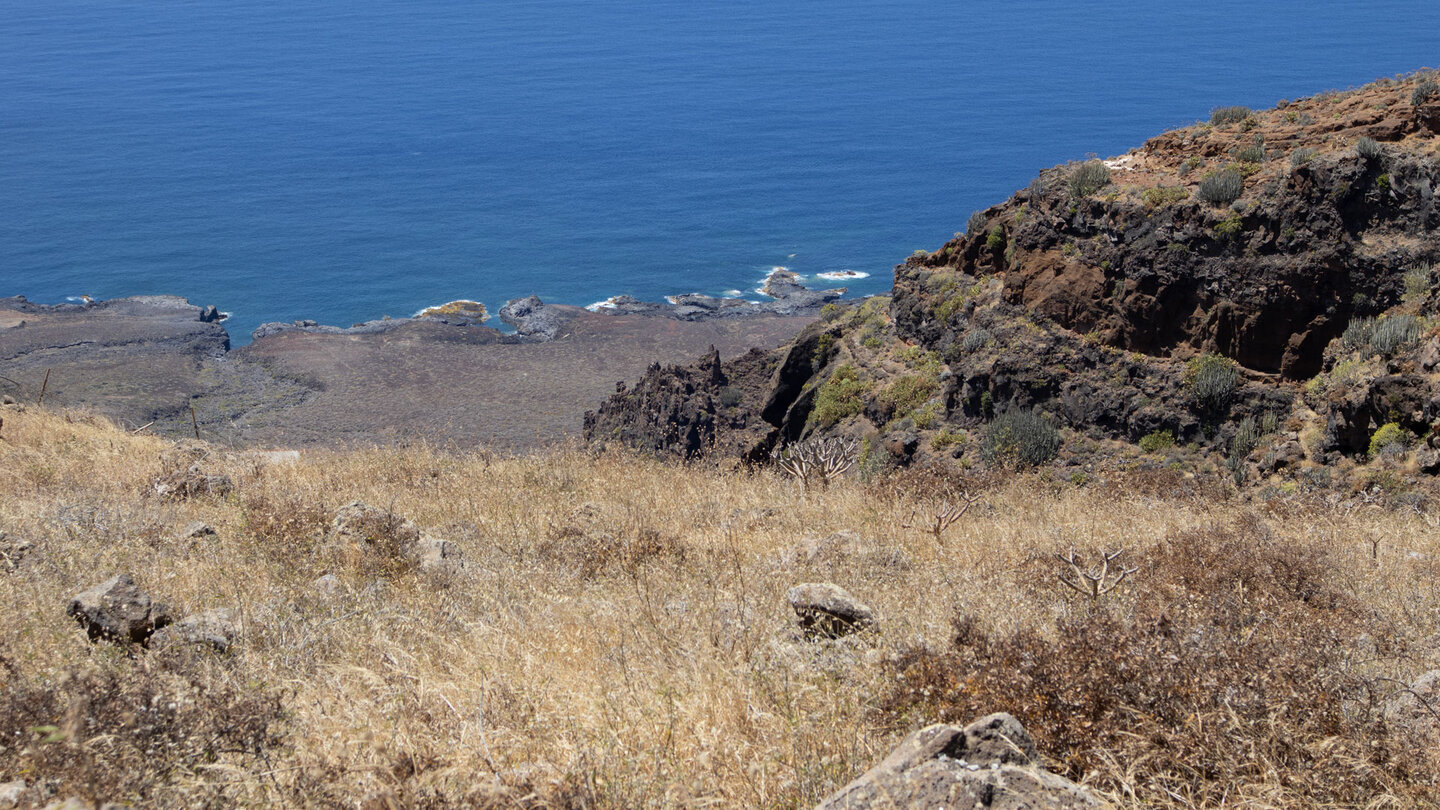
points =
(734, 293)
(608, 303)
(841, 275)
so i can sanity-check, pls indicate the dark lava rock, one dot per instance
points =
(117, 610)
(533, 318)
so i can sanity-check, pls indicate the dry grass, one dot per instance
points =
(621, 639)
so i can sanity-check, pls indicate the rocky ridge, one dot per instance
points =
(1208, 289)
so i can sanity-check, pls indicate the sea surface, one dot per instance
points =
(344, 160)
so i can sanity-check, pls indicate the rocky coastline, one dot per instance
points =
(163, 364)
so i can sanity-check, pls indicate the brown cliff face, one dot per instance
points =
(1097, 306)
(1319, 234)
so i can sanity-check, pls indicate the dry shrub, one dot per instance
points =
(1166, 483)
(933, 482)
(1232, 669)
(588, 552)
(158, 731)
(287, 523)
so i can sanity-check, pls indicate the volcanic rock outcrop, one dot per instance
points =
(1178, 294)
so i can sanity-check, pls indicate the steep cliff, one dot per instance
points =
(1180, 294)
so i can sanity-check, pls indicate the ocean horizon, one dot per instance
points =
(347, 161)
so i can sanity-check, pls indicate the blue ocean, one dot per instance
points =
(344, 160)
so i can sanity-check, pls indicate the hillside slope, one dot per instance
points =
(1210, 289)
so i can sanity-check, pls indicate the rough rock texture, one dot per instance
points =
(1416, 710)
(826, 610)
(139, 356)
(192, 482)
(13, 551)
(360, 525)
(117, 610)
(991, 763)
(198, 531)
(215, 629)
(1096, 308)
(533, 318)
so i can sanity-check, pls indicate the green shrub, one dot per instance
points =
(1389, 434)
(1230, 228)
(1158, 440)
(1254, 153)
(1301, 156)
(928, 415)
(996, 240)
(906, 393)
(1212, 379)
(1191, 164)
(730, 396)
(823, 347)
(1383, 336)
(975, 340)
(830, 312)
(1369, 149)
(1246, 438)
(842, 395)
(1088, 178)
(1417, 283)
(1220, 116)
(1424, 92)
(1161, 196)
(1221, 187)
(1021, 437)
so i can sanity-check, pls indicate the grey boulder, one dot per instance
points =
(991, 763)
(215, 629)
(828, 610)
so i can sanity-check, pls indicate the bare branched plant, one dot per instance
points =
(816, 460)
(948, 514)
(1096, 581)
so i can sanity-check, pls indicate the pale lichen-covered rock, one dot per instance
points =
(379, 531)
(117, 610)
(215, 629)
(192, 482)
(10, 792)
(828, 610)
(198, 530)
(991, 763)
(1416, 709)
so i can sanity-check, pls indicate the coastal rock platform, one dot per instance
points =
(147, 361)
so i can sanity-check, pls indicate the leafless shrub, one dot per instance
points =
(1095, 581)
(145, 732)
(816, 461)
(946, 516)
(1230, 666)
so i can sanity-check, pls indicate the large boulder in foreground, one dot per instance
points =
(117, 610)
(991, 763)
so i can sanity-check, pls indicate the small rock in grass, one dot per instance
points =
(827, 610)
(212, 628)
(117, 610)
(199, 530)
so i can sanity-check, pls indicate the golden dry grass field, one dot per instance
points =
(620, 636)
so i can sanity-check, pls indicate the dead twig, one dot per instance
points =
(43, 386)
